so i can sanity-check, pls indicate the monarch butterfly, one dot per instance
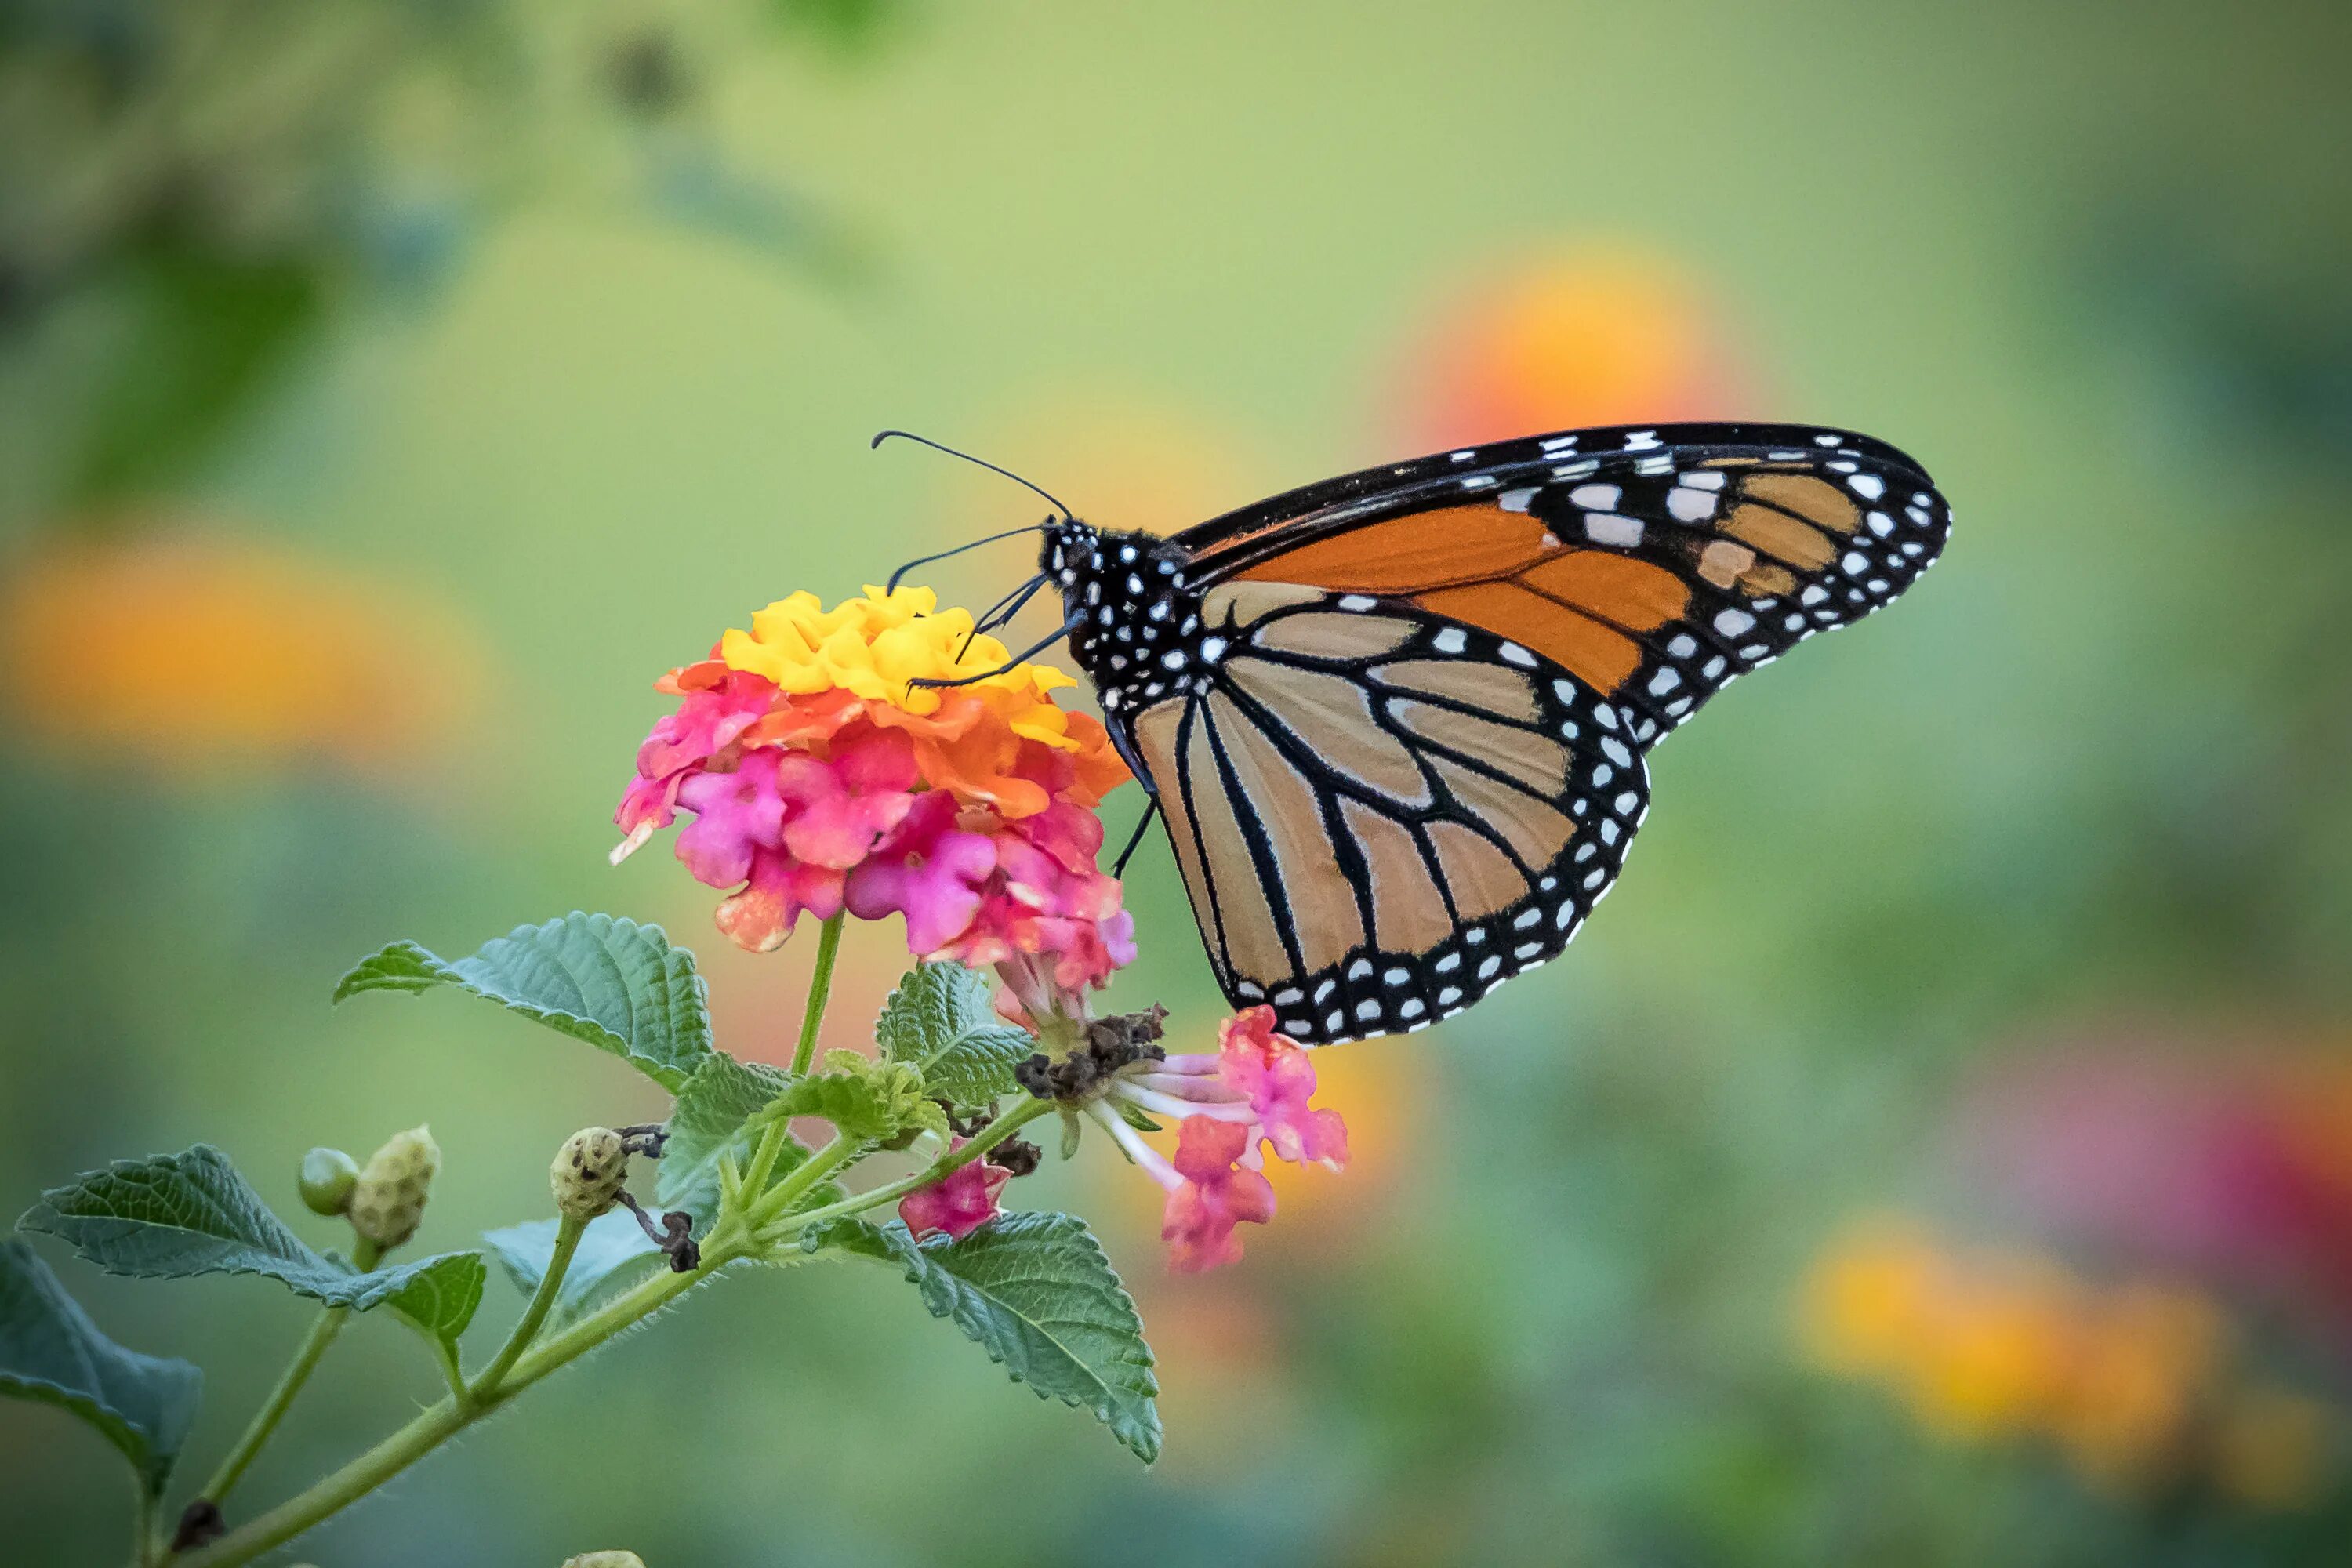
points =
(1396, 723)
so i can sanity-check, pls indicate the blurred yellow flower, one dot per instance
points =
(1867, 1296)
(196, 654)
(1988, 1344)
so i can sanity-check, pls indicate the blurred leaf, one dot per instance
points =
(943, 1019)
(862, 1098)
(1035, 1291)
(51, 1351)
(175, 1217)
(713, 1115)
(850, 26)
(617, 984)
(615, 1254)
(213, 331)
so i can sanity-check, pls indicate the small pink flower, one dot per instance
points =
(736, 814)
(1214, 1195)
(1279, 1079)
(929, 871)
(706, 722)
(957, 1204)
(842, 806)
(763, 914)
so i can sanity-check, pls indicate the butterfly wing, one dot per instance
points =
(1415, 759)
(1379, 813)
(1655, 563)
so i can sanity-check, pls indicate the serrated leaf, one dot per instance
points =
(943, 1019)
(174, 1216)
(619, 986)
(862, 1098)
(51, 1353)
(1036, 1293)
(442, 1294)
(714, 1115)
(613, 1255)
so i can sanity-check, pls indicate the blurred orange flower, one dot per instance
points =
(2136, 1384)
(1602, 335)
(194, 654)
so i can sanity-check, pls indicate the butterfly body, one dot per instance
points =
(1397, 721)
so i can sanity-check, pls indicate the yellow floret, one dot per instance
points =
(878, 644)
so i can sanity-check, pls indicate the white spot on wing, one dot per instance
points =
(1613, 527)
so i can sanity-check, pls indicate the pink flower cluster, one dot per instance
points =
(821, 780)
(1253, 1096)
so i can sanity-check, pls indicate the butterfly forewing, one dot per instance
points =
(1381, 815)
(1655, 564)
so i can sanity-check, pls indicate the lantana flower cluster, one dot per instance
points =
(822, 779)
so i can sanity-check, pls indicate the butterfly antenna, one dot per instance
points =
(981, 462)
(892, 586)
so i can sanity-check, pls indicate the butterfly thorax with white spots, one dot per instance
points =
(1135, 627)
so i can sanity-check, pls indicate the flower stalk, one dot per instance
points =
(482, 1389)
(324, 1328)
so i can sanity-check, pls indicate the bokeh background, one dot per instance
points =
(1939, 1150)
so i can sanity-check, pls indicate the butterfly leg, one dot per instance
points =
(1063, 630)
(1002, 612)
(1135, 840)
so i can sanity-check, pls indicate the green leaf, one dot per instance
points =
(441, 1295)
(613, 1255)
(942, 1020)
(1035, 1291)
(51, 1351)
(612, 982)
(713, 1115)
(175, 1217)
(862, 1098)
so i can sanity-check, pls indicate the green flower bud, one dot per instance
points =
(605, 1560)
(388, 1203)
(328, 1177)
(588, 1173)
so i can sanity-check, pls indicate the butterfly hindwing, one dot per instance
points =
(1381, 815)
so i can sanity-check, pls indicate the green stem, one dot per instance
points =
(772, 1145)
(981, 1142)
(793, 1188)
(568, 1232)
(259, 1431)
(144, 1545)
(828, 943)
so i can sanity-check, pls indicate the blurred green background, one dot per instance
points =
(1939, 1152)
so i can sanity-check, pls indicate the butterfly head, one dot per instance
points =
(1125, 603)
